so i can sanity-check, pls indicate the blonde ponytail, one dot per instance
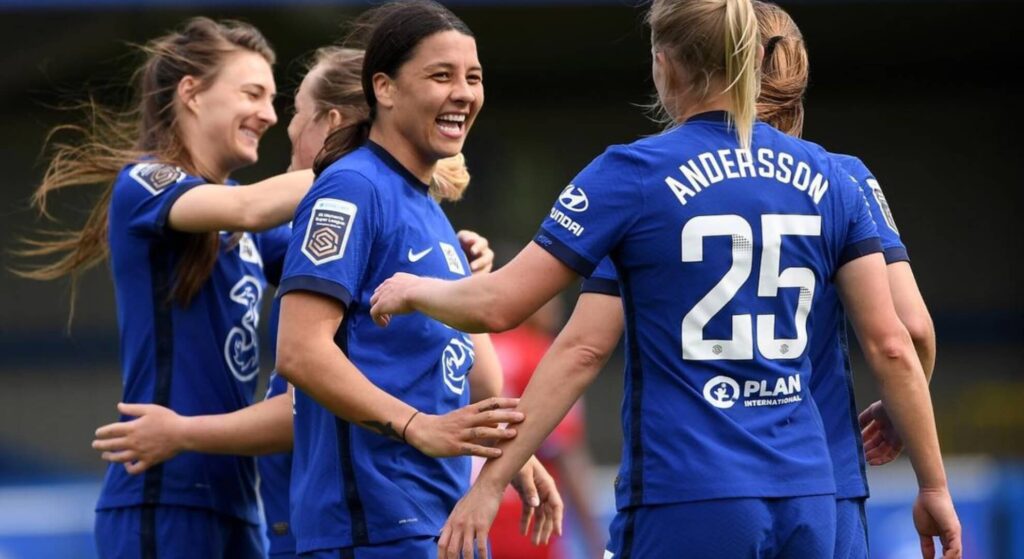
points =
(451, 178)
(741, 43)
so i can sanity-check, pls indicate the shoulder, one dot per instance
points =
(153, 177)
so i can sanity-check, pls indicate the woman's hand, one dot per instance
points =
(465, 431)
(154, 436)
(882, 444)
(478, 251)
(541, 502)
(392, 297)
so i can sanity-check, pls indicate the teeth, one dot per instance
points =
(453, 118)
(250, 133)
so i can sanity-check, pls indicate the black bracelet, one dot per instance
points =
(404, 429)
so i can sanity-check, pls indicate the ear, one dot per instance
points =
(384, 89)
(334, 119)
(188, 87)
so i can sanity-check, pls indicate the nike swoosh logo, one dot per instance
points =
(417, 256)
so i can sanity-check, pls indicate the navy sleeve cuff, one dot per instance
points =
(562, 252)
(860, 248)
(315, 285)
(168, 203)
(896, 254)
(600, 285)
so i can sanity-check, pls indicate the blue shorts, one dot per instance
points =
(851, 529)
(423, 547)
(797, 527)
(169, 532)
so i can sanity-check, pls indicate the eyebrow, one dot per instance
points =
(449, 66)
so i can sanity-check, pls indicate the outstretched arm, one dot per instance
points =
(157, 434)
(492, 302)
(863, 286)
(570, 365)
(259, 206)
(308, 357)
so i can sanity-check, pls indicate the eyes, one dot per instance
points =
(473, 78)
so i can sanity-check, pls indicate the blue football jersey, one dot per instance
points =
(716, 402)
(276, 469)
(366, 218)
(199, 359)
(832, 381)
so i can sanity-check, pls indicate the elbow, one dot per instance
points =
(892, 348)
(587, 359)
(922, 330)
(495, 322)
(290, 362)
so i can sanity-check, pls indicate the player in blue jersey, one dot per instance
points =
(724, 454)
(330, 96)
(188, 293)
(368, 479)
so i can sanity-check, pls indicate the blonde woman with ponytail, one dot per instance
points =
(785, 71)
(699, 229)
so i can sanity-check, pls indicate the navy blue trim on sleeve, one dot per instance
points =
(315, 285)
(168, 203)
(603, 286)
(562, 252)
(861, 248)
(896, 254)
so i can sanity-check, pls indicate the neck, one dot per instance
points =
(720, 102)
(402, 151)
(204, 163)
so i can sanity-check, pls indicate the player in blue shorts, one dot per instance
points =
(329, 97)
(724, 454)
(784, 80)
(188, 295)
(367, 477)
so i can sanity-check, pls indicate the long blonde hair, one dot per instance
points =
(339, 87)
(784, 71)
(109, 139)
(713, 39)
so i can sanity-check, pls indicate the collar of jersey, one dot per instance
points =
(397, 167)
(712, 116)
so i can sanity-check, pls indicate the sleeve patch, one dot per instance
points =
(451, 257)
(156, 177)
(876, 190)
(328, 230)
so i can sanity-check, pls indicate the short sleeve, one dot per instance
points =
(881, 213)
(147, 191)
(604, 280)
(593, 214)
(861, 237)
(273, 245)
(333, 233)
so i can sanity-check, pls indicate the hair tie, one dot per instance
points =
(769, 47)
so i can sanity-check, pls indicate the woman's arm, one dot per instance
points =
(570, 365)
(308, 357)
(255, 207)
(157, 434)
(863, 287)
(492, 302)
(486, 379)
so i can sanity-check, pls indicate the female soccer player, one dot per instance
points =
(362, 394)
(330, 97)
(718, 436)
(785, 72)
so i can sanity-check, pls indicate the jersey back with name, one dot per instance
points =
(365, 219)
(721, 255)
(202, 358)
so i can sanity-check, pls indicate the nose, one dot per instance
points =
(267, 114)
(463, 92)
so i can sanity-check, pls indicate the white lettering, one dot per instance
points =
(802, 177)
(679, 189)
(785, 172)
(767, 168)
(746, 162)
(708, 162)
(728, 164)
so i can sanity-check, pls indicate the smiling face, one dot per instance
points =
(225, 121)
(433, 100)
(307, 130)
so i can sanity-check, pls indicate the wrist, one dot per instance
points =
(414, 430)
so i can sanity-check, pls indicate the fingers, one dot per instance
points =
(495, 417)
(490, 433)
(110, 445)
(497, 402)
(951, 546)
(927, 547)
(526, 518)
(120, 456)
(442, 542)
(135, 468)
(134, 410)
(468, 449)
(481, 545)
(865, 417)
(113, 430)
(467, 545)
